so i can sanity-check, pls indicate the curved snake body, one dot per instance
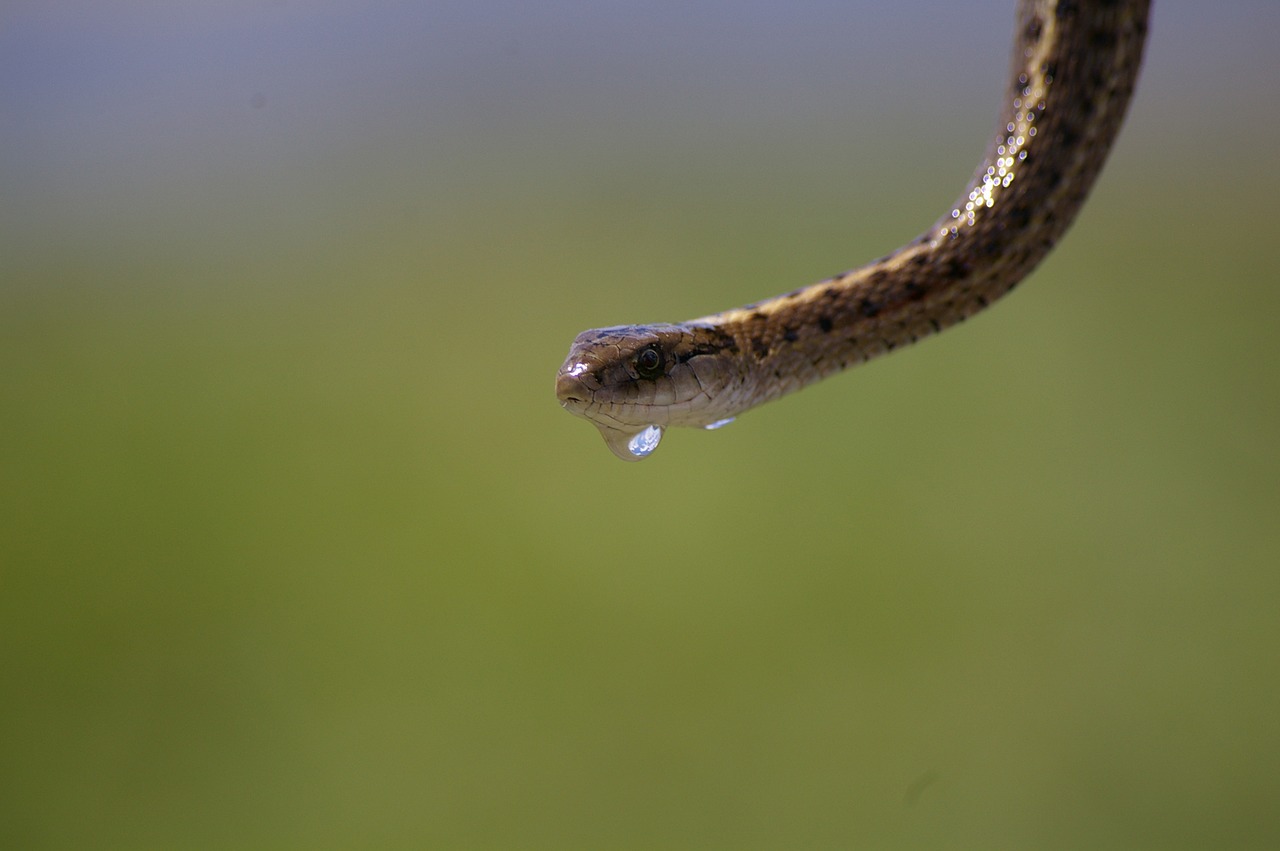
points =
(1075, 64)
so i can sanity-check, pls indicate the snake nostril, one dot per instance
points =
(569, 388)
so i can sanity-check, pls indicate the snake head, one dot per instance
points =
(633, 381)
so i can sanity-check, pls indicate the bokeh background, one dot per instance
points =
(297, 549)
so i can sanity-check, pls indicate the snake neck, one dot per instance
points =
(1073, 73)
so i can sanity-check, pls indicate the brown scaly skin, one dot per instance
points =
(1075, 64)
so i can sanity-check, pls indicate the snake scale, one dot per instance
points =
(1074, 68)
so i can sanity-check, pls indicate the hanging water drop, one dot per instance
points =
(645, 442)
(631, 446)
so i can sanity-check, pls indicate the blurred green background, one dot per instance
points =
(297, 549)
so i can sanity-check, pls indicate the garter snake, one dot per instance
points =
(1074, 67)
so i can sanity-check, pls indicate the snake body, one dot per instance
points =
(1075, 65)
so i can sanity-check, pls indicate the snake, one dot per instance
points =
(1074, 68)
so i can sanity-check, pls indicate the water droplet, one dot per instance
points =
(718, 424)
(645, 442)
(631, 446)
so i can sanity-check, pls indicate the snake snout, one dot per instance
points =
(571, 390)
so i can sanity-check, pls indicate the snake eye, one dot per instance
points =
(649, 362)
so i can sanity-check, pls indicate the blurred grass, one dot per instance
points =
(299, 551)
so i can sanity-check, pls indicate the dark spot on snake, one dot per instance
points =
(1101, 39)
(758, 316)
(919, 260)
(878, 276)
(685, 357)
(1035, 28)
(727, 343)
(982, 300)
(989, 248)
(1020, 216)
(760, 349)
(958, 270)
(869, 308)
(937, 326)
(831, 293)
(1097, 83)
(790, 335)
(824, 322)
(720, 342)
(1049, 70)
(914, 291)
(1066, 9)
